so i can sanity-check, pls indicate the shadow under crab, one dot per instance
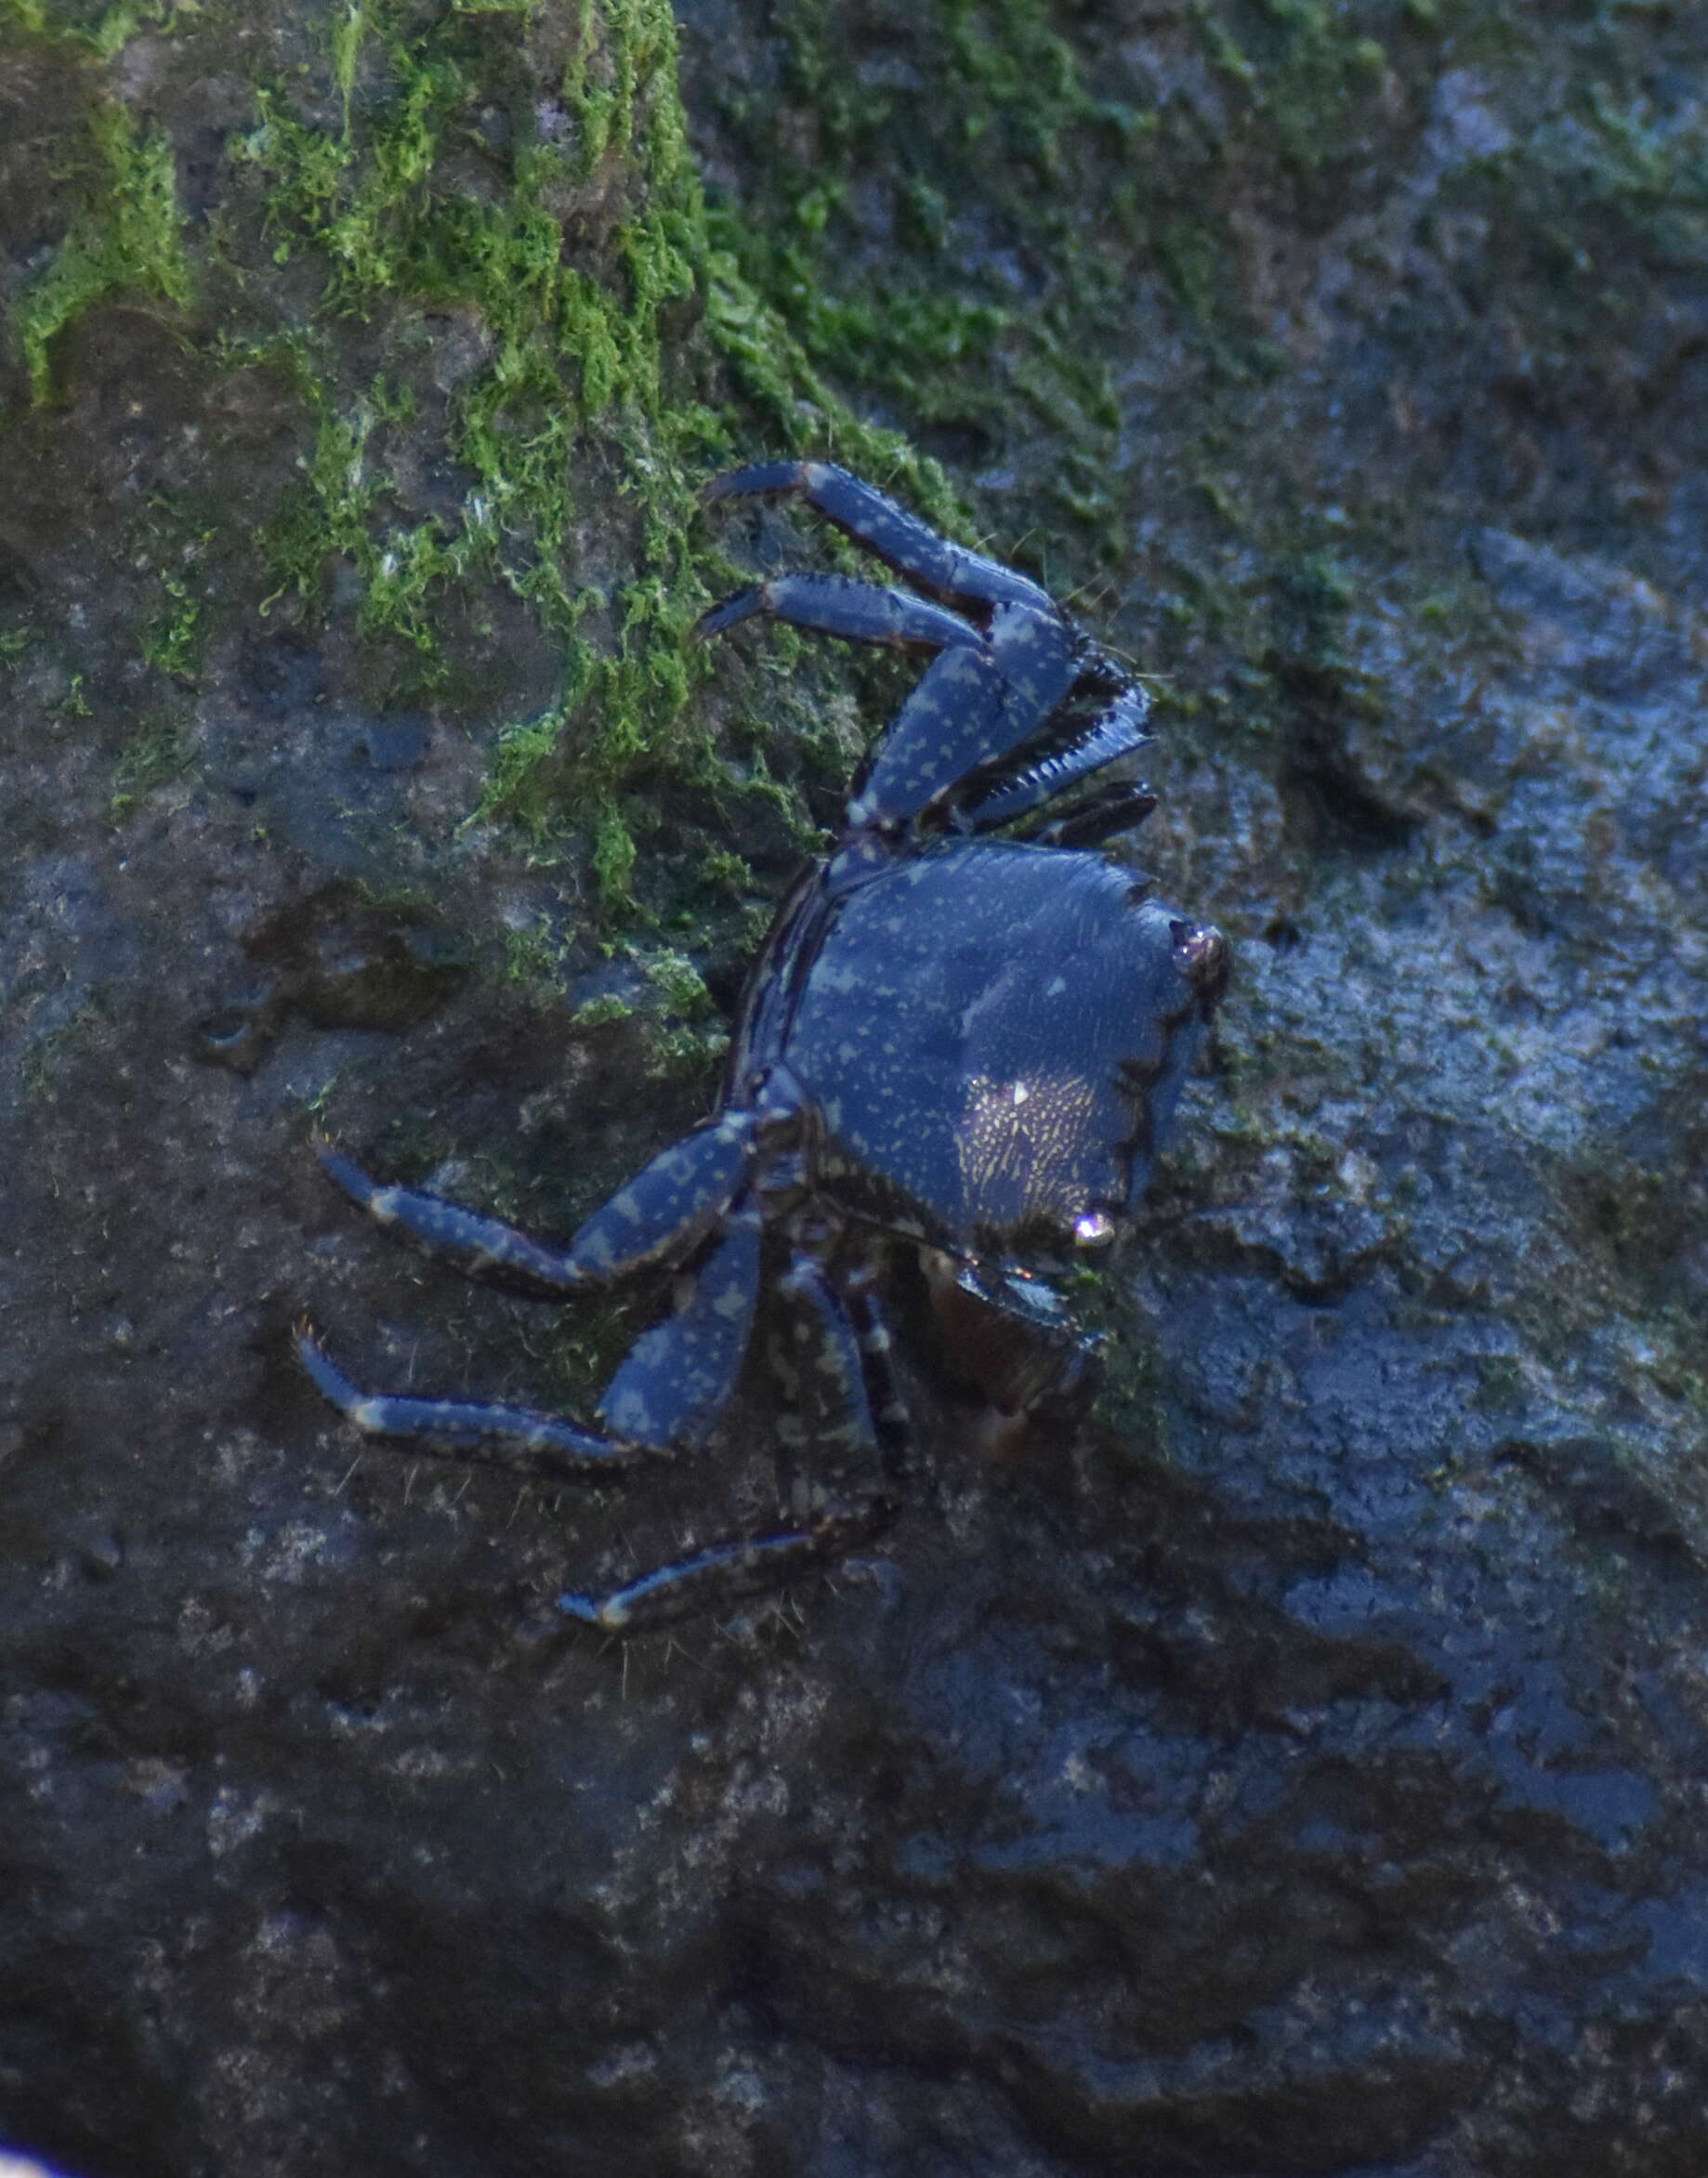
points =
(967, 1043)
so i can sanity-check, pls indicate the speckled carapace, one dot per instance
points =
(952, 1040)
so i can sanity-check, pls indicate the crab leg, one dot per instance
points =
(825, 1371)
(872, 518)
(726, 1572)
(513, 1437)
(839, 1359)
(980, 698)
(678, 1378)
(996, 683)
(660, 1216)
(668, 1393)
(927, 749)
(971, 712)
(839, 605)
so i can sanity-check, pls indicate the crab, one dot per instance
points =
(964, 1035)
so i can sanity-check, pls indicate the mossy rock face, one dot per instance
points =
(1289, 1760)
(380, 386)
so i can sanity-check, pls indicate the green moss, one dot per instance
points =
(926, 236)
(956, 239)
(578, 378)
(614, 856)
(1219, 45)
(686, 1034)
(103, 32)
(679, 988)
(1309, 79)
(126, 237)
(573, 357)
(724, 872)
(157, 753)
(74, 703)
(410, 182)
(532, 957)
(349, 31)
(174, 639)
(1003, 81)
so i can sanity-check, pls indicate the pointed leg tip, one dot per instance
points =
(341, 1169)
(329, 1380)
(757, 479)
(601, 1613)
(727, 613)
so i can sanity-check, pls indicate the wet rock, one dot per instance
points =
(1295, 1766)
(337, 961)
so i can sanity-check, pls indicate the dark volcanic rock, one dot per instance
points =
(1302, 1768)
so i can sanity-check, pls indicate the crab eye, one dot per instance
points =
(1096, 1229)
(1202, 952)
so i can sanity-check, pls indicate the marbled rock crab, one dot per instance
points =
(964, 1042)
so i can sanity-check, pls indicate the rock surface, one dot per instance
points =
(1303, 1767)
